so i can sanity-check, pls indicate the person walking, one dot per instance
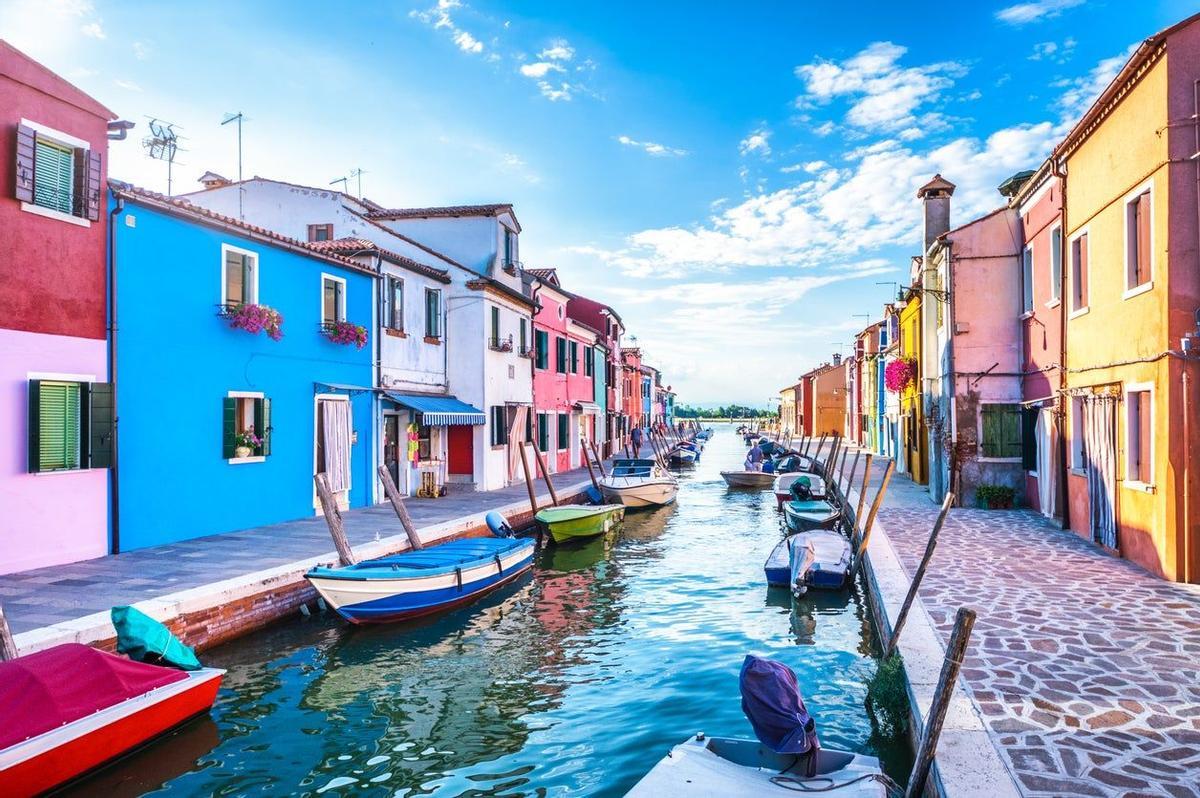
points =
(635, 441)
(754, 458)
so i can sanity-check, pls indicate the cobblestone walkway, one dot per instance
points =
(1086, 667)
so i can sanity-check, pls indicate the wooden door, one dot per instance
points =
(460, 458)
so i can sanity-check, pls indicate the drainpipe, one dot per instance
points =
(1186, 570)
(114, 484)
(376, 398)
(1064, 501)
(954, 464)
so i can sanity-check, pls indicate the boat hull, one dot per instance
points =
(819, 559)
(389, 600)
(73, 749)
(807, 516)
(783, 484)
(758, 480)
(647, 493)
(584, 526)
(728, 768)
(778, 568)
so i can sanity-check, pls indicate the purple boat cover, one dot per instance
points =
(772, 703)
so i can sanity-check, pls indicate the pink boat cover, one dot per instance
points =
(42, 691)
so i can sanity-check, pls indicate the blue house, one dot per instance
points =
(241, 371)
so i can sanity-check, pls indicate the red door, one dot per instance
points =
(460, 458)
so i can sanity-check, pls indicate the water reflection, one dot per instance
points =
(572, 682)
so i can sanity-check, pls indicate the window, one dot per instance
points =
(393, 304)
(495, 326)
(589, 355)
(424, 446)
(543, 432)
(1001, 436)
(320, 232)
(560, 355)
(542, 339)
(524, 335)
(1139, 434)
(1055, 264)
(1078, 447)
(1029, 442)
(1138, 241)
(333, 299)
(564, 423)
(56, 174)
(574, 349)
(55, 425)
(499, 425)
(1027, 280)
(1079, 272)
(433, 313)
(510, 248)
(246, 420)
(239, 276)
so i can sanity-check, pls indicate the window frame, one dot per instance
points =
(573, 356)
(560, 355)
(339, 312)
(494, 325)
(256, 403)
(563, 432)
(983, 458)
(1078, 463)
(82, 383)
(1132, 290)
(589, 365)
(498, 434)
(65, 140)
(1082, 275)
(541, 349)
(1028, 299)
(227, 248)
(313, 229)
(1133, 435)
(543, 432)
(1056, 265)
(390, 307)
(433, 332)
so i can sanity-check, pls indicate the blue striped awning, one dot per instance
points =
(439, 411)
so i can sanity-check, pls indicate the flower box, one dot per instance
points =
(253, 319)
(345, 333)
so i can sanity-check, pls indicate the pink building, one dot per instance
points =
(581, 387)
(56, 400)
(609, 326)
(552, 364)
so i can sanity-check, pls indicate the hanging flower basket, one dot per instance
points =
(899, 374)
(254, 319)
(343, 332)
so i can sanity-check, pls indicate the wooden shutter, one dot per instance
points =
(54, 425)
(990, 444)
(563, 430)
(1012, 441)
(1145, 431)
(93, 186)
(101, 425)
(229, 428)
(1082, 289)
(26, 155)
(34, 426)
(79, 181)
(1029, 441)
(1143, 238)
(262, 424)
(560, 355)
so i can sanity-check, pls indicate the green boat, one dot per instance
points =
(575, 521)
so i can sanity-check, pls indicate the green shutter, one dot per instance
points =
(563, 430)
(54, 176)
(1013, 441)
(35, 392)
(101, 425)
(262, 424)
(55, 427)
(990, 445)
(229, 436)
(542, 339)
(560, 355)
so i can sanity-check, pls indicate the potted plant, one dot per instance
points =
(344, 332)
(254, 319)
(246, 443)
(994, 497)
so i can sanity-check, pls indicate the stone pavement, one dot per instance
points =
(1085, 667)
(45, 596)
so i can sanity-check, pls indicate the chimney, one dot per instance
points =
(936, 196)
(213, 180)
(837, 359)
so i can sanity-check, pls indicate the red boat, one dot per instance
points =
(71, 708)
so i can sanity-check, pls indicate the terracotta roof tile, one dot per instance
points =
(448, 210)
(350, 245)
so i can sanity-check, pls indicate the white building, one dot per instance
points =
(451, 390)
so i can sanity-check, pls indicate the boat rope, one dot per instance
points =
(499, 565)
(797, 784)
(458, 574)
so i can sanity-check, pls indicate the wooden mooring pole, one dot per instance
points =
(8, 647)
(915, 585)
(866, 531)
(959, 638)
(862, 494)
(393, 495)
(333, 517)
(533, 505)
(599, 460)
(541, 461)
(587, 461)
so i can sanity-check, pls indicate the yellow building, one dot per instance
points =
(912, 420)
(1132, 289)
(787, 411)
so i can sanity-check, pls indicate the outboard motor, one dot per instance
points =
(802, 490)
(773, 705)
(499, 525)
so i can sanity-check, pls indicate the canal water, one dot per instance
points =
(574, 681)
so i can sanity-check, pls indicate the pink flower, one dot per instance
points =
(343, 332)
(255, 319)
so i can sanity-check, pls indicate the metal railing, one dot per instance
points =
(500, 344)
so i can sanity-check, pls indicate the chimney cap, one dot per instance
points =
(937, 187)
(1012, 185)
(213, 180)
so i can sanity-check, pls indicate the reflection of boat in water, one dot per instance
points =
(150, 768)
(575, 558)
(648, 524)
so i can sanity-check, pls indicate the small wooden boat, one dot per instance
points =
(783, 486)
(724, 767)
(577, 521)
(749, 479)
(819, 559)
(683, 456)
(422, 582)
(778, 567)
(71, 708)
(802, 516)
(637, 483)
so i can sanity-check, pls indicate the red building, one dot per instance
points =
(631, 388)
(56, 400)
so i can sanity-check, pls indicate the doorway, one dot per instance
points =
(460, 457)
(392, 448)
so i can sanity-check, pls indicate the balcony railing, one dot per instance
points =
(500, 344)
(511, 266)
(527, 351)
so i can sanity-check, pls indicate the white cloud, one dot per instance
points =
(881, 93)
(539, 69)
(48, 29)
(468, 43)
(93, 30)
(556, 58)
(1033, 11)
(439, 18)
(1081, 92)
(757, 142)
(1053, 51)
(128, 85)
(825, 128)
(141, 51)
(556, 93)
(652, 147)
(559, 50)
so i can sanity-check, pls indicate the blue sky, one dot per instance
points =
(735, 178)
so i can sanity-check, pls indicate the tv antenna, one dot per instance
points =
(162, 144)
(345, 181)
(239, 117)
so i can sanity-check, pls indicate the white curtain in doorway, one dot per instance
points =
(336, 431)
(1047, 459)
(516, 436)
(1100, 453)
